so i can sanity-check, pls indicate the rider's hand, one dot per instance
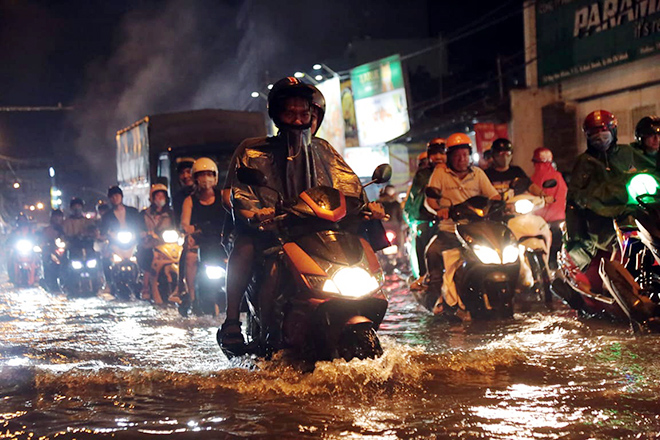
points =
(442, 213)
(264, 214)
(377, 211)
(548, 199)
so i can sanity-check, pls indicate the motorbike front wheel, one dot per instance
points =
(541, 276)
(359, 342)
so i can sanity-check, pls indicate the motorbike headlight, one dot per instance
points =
(36, 249)
(116, 258)
(91, 264)
(510, 254)
(170, 236)
(640, 185)
(391, 250)
(354, 282)
(24, 246)
(391, 236)
(59, 243)
(215, 272)
(486, 254)
(523, 206)
(133, 259)
(124, 237)
(77, 265)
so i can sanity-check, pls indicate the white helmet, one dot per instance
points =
(205, 164)
(155, 188)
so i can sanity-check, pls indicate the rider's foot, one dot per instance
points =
(230, 339)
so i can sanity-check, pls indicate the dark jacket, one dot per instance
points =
(133, 221)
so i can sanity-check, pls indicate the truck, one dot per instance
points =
(148, 150)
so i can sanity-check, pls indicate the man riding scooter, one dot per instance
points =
(457, 183)
(419, 219)
(292, 161)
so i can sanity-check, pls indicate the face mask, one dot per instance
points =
(77, 211)
(205, 182)
(160, 203)
(600, 141)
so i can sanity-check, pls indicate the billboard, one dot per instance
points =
(579, 36)
(486, 132)
(381, 108)
(332, 128)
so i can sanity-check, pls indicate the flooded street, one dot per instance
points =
(93, 368)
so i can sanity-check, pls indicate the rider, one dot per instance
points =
(647, 140)
(501, 172)
(292, 162)
(392, 206)
(77, 225)
(553, 213)
(22, 231)
(156, 219)
(120, 216)
(597, 192)
(420, 219)
(48, 238)
(459, 182)
(202, 212)
(184, 172)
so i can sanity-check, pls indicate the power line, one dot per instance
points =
(35, 109)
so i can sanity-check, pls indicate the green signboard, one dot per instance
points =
(580, 36)
(378, 77)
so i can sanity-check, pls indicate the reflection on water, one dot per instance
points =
(93, 368)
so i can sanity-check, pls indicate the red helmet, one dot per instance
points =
(541, 155)
(598, 120)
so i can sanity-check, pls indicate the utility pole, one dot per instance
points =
(499, 76)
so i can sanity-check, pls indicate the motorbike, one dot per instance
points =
(388, 257)
(329, 298)
(26, 262)
(167, 253)
(534, 240)
(485, 268)
(210, 282)
(630, 277)
(82, 275)
(124, 272)
(53, 261)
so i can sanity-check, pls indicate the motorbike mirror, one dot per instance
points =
(520, 184)
(251, 176)
(382, 173)
(433, 193)
(551, 183)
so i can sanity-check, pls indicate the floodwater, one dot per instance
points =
(93, 368)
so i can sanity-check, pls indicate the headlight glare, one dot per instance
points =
(330, 287)
(486, 254)
(124, 237)
(24, 246)
(354, 282)
(215, 272)
(523, 206)
(170, 236)
(116, 258)
(77, 265)
(510, 254)
(91, 264)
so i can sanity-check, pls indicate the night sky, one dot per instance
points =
(117, 61)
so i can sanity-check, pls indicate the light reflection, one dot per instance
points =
(18, 361)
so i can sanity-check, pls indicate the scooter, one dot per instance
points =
(329, 298)
(26, 258)
(485, 268)
(630, 277)
(210, 282)
(534, 240)
(165, 264)
(82, 275)
(388, 257)
(124, 269)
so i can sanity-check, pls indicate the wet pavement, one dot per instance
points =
(98, 368)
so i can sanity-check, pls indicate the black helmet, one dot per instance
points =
(647, 126)
(500, 145)
(56, 213)
(318, 101)
(115, 189)
(102, 207)
(76, 201)
(286, 88)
